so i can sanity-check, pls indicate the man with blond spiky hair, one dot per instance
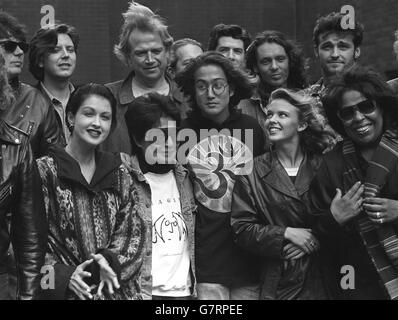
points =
(144, 46)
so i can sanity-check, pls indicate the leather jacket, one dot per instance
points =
(32, 113)
(264, 204)
(21, 196)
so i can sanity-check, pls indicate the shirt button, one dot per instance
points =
(17, 140)
(28, 107)
(147, 205)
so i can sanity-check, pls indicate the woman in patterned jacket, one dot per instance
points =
(95, 233)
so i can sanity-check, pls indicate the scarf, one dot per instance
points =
(380, 240)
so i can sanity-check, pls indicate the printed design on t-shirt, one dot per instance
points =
(215, 162)
(169, 226)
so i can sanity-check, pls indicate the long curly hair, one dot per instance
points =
(6, 94)
(297, 69)
(315, 138)
(369, 83)
(235, 78)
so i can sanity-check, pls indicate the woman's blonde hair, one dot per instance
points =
(6, 94)
(315, 138)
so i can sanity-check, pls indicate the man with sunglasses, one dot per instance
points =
(354, 193)
(30, 112)
(227, 141)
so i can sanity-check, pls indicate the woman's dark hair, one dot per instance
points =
(235, 77)
(371, 85)
(82, 93)
(315, 138)
(44, 41)
(297, 70)
(144, 113)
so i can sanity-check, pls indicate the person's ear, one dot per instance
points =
(302, 126)
(316, 52)
(231, 90)
(357, 53)
(41, 62)
(71, 119)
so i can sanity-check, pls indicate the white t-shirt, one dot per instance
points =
(170, 247)
(292, 172)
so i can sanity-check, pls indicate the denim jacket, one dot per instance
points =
(188, 209)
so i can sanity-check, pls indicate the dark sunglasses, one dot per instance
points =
(364, 107)
(10, 45)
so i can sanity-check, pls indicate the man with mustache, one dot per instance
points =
(30, 112)
(52, 61)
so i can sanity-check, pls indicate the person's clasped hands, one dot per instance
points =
(107, 278)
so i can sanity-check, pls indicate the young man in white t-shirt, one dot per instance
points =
(164, 197)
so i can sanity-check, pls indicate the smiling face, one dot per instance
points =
(13, 61)
(336, 53)
(148, 57)
(283, 122)
(363, 129)
(272, 64)
(92, 122)
(60, 62)
(212, 92)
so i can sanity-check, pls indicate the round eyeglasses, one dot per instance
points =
(217, 87)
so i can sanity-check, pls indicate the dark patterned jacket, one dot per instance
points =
(96, 217)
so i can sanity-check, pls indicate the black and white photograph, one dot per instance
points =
(186, 150)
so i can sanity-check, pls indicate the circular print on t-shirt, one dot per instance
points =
(215, 161)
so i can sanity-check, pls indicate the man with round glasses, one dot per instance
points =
(215, 87)
(30, 112)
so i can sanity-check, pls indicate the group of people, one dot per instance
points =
(217, 174)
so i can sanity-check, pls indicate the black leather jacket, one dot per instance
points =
(21, 195)
(32, 113)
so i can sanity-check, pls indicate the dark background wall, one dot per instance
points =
(99, 22)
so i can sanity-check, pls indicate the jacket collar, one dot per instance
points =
(9, 134)
(273, 174)
(69, 169)
(180, 172)
(126, 92)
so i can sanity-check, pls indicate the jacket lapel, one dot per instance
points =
(274, 175)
